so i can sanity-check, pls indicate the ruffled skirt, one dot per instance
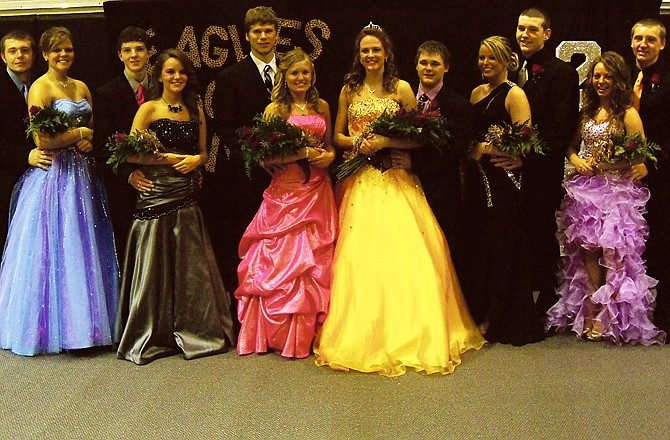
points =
(285, 273)
(605, 213)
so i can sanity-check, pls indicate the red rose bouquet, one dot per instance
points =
(515, 139)
(47, 120)
(274, 136)
(140, 143)
(632, 148)
(427, 129)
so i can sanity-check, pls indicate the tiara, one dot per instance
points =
(371, 25)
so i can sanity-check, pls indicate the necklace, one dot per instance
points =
(370, 90)
(67, 82)
(303, 108)
(173, 108)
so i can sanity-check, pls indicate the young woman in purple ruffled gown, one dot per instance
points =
(59, 276)
(604, 290)
(287, 250)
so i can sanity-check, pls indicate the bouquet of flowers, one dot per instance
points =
(632, 148)
(515, 139)
(274, 136)
(427, 129)
(47, 120)
(140, 143)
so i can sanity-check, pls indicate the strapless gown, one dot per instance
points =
(59, 276)
(172, 297)
(287, 253)
(605, 212)
(395, 298)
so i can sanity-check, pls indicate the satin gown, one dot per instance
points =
(395, 298)
(605, 212)
(287, 254)
(59, 276)
(500, 292)
(172, 297)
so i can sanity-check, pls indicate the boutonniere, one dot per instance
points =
(538, 71)
(655, 82)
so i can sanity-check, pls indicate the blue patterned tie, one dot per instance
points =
(423, 100)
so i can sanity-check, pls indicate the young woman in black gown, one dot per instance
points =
(501, 300)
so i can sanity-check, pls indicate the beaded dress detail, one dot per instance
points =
(59, 276)
(395, 298)
(172, 297)
(604, 212)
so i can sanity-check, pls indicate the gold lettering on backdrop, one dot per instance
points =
(235, 37)
(220, 54)
(209, 94)
(189, 41)
(293, 24)
(311, 37)
(590, 49)
(152, 51)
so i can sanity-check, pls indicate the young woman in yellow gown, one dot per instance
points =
(395, 299)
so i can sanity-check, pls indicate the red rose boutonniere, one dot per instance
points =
(655, 82)
(537, 71)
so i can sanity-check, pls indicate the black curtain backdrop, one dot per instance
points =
(212, 32)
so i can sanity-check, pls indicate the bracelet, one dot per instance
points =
(81, 136)
(358, 141)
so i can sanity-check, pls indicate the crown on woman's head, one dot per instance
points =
(371, 25)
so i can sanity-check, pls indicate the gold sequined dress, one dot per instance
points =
(395, 298)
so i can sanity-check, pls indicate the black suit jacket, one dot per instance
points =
(115, 108)
(239, 95)
(14, 145)
(654, 106)
(440, 173)
(553, 95)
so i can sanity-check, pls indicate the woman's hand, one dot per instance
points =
(188, 163)
(84, 145)
(322, 159)
(583, 166)
(373, 143)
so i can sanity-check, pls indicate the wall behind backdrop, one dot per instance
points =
(212, 32)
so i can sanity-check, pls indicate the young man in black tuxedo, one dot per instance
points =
(652, 98)
(552, 88)
(116, 103)
(440, 174)
(230, 198)
(16, 150)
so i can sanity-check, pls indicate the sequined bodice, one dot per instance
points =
(78, 111)
(597, 140)
(179, 136)
(364, 111)
(314, 123)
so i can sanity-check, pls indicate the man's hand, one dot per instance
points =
(40, 158)
(139, 181)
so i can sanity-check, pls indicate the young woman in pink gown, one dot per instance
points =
(287, 250)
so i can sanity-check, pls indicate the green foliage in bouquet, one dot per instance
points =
(47, 120)
(633, 148)
(140, 143)
(272, 136)
(429, 129)
(516, 139)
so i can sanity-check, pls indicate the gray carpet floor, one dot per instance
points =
(561, 388)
